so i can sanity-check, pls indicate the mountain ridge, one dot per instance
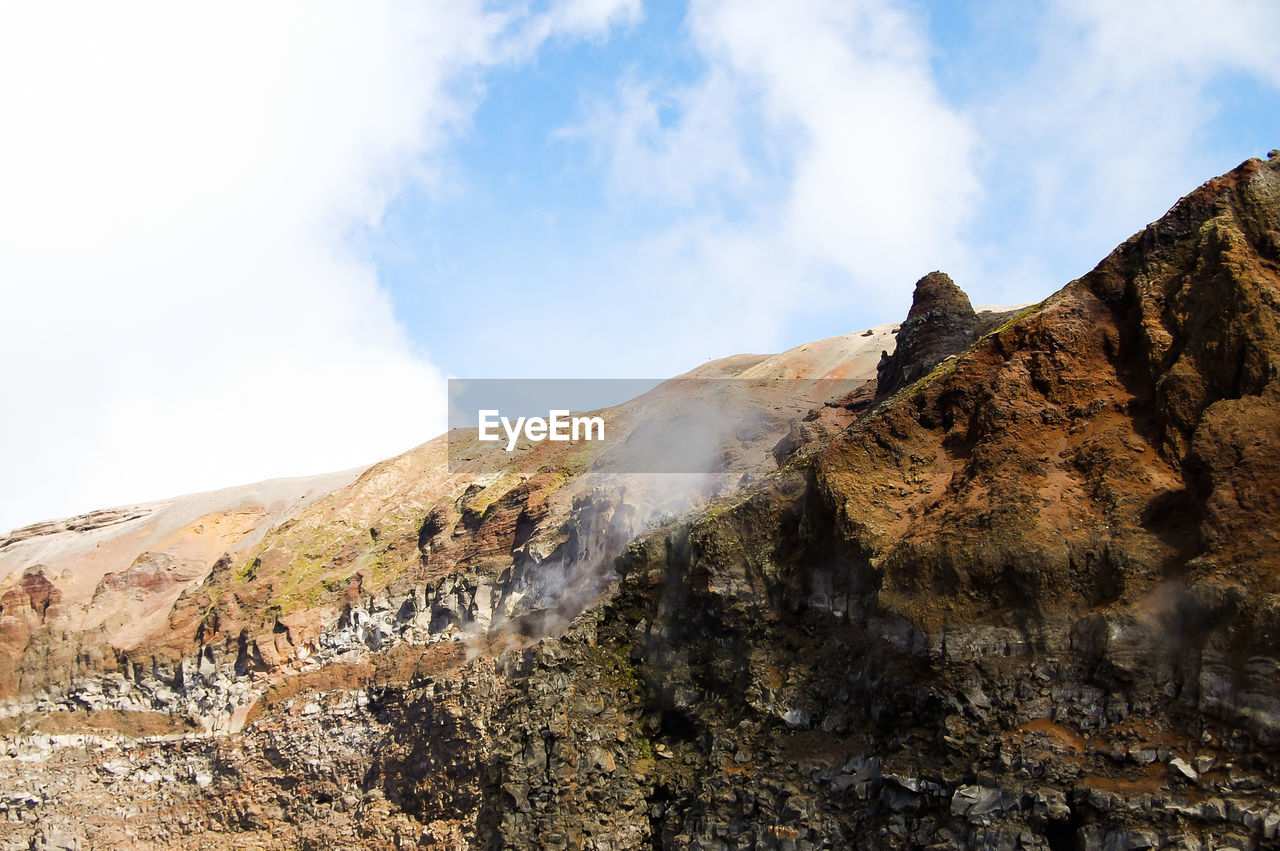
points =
(1025, 598)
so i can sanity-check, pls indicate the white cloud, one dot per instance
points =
(591, 17)
(180, 186)
(880, 160)
(682, 163)
(1110, 123)
(813, 158)
(1149, 39)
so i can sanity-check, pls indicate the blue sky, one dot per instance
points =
(250, 241)
(534, 230)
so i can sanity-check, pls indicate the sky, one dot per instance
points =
(245, 240)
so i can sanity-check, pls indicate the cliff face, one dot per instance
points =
(1022, 597)
(1031, 600)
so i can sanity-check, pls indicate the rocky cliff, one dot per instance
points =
(1022, 595)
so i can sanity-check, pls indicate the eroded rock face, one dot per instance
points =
(1029, 601)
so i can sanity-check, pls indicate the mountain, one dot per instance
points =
(1009, 582)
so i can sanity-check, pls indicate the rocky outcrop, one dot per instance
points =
(941, 323)
(82, 523)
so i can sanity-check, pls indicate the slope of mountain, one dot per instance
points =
(248, 579)
(112, 576)
(1024, 594)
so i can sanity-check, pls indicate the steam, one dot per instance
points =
(579, 573)
(690, 442)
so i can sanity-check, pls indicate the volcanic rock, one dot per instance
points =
(941, 323)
